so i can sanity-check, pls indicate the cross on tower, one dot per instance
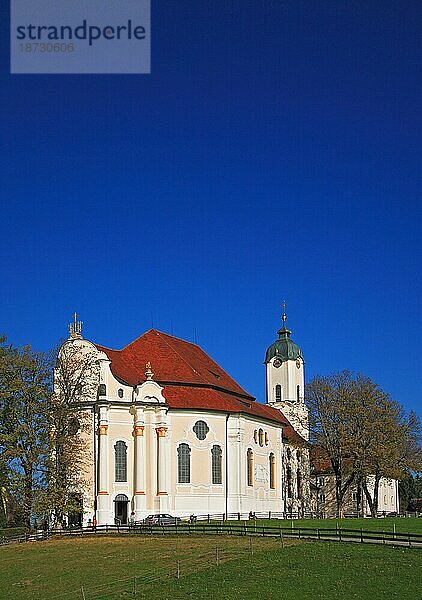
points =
(284, 316)
(75, 328)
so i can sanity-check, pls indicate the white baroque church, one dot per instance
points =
(172, 432)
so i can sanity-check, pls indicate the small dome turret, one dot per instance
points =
(284, 348)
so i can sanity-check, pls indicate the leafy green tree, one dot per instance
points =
(410, 491)
(365, 433)
(25, 391)
(328, 400)
(384, 440)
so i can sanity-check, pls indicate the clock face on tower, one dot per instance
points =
(277, 363)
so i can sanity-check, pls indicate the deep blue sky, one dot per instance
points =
(274, 152)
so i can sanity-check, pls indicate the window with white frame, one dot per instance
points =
(216, 455)
(249, 458)
(183, 463)
(201, 429)
(272, 471)
(120, 461)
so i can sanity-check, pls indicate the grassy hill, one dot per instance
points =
(126, 566)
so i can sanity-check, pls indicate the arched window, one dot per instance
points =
(298, 393)
(299, 484)
(183, 463)
(102, 390)
(278, 393)
(261, 437)
(255, 436)
(120, 461)
(272, 471)
(266, 438)
(289, 483)
(216, 464)
(201, 429)
(250, 466)
(120, 393)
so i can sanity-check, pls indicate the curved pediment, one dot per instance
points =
(150, 391)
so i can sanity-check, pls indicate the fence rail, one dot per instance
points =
(210, 526)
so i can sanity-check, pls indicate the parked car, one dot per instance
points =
(161, 519)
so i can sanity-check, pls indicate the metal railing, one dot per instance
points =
(241, 524)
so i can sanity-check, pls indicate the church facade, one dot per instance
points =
(169, 431)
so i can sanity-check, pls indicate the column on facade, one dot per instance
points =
(103, 485)
(279, 472)
(236, 482)
(139, 453)
(162, 484)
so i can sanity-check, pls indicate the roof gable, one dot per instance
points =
(172, 360)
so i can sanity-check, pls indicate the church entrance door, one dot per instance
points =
(120, 509)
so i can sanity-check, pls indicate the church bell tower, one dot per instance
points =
(285, 379)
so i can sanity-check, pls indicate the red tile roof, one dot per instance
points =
(172, 360)
(210, 399)
(190, 378)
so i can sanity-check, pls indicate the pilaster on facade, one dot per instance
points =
(140, 464)
(162, 460)
(235, 489)
(103, 479)
(279, 470)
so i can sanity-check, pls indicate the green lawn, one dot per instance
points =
(308, 571)
(402, 525)
(247, 568)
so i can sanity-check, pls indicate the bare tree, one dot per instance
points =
(76, 377)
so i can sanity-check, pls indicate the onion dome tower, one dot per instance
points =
(285, 378)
